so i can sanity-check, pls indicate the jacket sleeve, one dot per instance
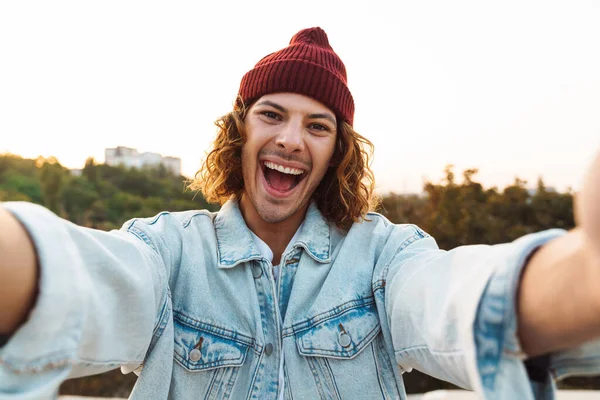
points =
(452, 315)
(101, 298)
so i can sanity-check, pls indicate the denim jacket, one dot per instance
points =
(187, 301)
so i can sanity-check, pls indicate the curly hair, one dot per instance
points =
(344, 196)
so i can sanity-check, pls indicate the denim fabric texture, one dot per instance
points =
(186, 301)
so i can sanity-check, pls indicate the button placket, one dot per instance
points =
(269, 349)
(269, 312)
(256, 271)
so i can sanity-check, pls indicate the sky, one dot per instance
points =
(511, 88)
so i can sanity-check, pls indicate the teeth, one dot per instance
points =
(281, 168)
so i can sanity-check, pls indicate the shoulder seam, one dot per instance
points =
(418, 234)
(189, 219)
(141, 235)
(149, 221)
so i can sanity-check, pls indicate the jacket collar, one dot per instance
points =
(235, 244)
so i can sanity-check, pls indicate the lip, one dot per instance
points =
(286, 164)
(274, 192)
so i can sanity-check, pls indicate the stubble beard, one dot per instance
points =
(271, 213)
(273, 210)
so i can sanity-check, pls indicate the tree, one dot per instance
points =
(77, 197)
(52, 176)
(90, 171)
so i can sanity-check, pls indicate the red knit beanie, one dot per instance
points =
(308, 66)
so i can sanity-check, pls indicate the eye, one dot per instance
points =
(319, 127)
(271, 115)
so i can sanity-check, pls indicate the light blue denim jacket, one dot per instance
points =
(187, 300)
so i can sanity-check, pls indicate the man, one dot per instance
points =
(293, 289)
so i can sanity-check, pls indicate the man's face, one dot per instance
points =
(290, 140)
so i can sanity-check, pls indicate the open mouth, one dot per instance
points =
(280, 178)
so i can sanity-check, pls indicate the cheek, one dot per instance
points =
(258, 131)
(246, 159)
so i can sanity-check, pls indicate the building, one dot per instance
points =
(172, 164)
(122, 156)
(131, 158)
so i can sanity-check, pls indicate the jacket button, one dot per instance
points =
(195, 355)
(256, 271)
(269, 349)
(344, 339)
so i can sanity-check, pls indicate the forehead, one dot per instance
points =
(295, 102)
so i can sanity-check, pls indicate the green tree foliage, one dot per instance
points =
(462, 213)
(455, 213)
(101, 196)
(77, 198)
(19, 179)
(52, 176)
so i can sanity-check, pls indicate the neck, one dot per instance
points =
(276, 235)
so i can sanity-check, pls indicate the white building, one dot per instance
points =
(129, 157)
(172, 164)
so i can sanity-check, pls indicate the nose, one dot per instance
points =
(290, 137)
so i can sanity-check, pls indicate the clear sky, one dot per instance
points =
(511, 87)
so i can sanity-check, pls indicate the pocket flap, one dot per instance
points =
(343, 335)
(200, 346)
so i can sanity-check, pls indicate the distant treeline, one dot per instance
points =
(98, 196)
(454, 213)
(461, 213)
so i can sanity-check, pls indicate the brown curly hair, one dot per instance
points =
(344, 196)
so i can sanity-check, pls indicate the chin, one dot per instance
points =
(274, 214)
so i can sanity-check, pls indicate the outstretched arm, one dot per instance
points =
(18, 273)
(472, 315)
(100, 297)
(559, 296)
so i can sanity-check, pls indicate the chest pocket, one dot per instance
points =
(344, 335)
(211, 356)
(345, 353)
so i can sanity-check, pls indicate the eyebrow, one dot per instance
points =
(326, 116)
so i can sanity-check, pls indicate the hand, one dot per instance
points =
(587, 207)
